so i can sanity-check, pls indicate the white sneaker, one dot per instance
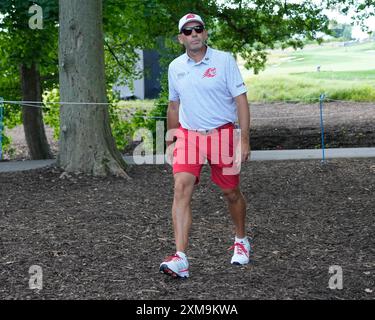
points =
(176, 266)
(242, 250)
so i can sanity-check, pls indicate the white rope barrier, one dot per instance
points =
(61, 103)
(38, 104)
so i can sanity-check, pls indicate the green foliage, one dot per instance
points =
(246, 28)
(9, 90)
(21, 45)
(6, 142)
(10, 120)
(149, 119)
(51, 111)
(249, 28)
(121, 130)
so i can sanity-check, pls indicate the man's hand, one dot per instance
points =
(169, 152)
(172, 123)
(244, 122)
(245, 150)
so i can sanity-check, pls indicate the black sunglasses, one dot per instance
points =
(189, 30)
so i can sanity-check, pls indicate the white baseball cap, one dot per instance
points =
(189, 18)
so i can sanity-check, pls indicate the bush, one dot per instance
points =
(121, 130)
(11, 118)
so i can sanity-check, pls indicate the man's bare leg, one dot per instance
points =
(181, 209)
(237, 208)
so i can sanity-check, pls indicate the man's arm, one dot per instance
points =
(172, 117)
(243, 112)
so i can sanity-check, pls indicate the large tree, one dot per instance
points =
(24, 50)
(245, 27)
(29, 58)
(86, 142)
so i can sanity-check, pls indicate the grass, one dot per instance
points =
(146, 104)
(307, 88)
(362, 75)
(346, 73)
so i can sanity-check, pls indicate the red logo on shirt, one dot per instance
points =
(190, 16)
(210, 73)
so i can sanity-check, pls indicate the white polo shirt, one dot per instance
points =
(206, 90)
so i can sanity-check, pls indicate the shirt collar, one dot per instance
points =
(206, 59)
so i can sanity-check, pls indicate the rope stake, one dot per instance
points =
(321, 100)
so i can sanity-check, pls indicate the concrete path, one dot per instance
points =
(11, 166)
(313, 154)
(268, 155)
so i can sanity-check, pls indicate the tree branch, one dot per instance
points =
(116, 58)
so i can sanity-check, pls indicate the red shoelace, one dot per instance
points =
(173, 257)
(241, 248)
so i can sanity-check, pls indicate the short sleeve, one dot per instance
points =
(173, 94)
(235, 83)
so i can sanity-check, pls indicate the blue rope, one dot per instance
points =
(321, 99)
(1, 126)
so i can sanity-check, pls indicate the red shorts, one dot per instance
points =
(217, 146)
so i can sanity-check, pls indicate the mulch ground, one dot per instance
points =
(97, 238)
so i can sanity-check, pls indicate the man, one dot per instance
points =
(206, 97)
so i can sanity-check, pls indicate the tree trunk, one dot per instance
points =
(86, 142)
(32, 117)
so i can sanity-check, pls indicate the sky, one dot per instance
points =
(357, 33)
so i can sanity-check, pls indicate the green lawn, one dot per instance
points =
(346, 73)
(146, 104)
(360, 75)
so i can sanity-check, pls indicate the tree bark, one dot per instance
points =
(86, 142)
(32, 117)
